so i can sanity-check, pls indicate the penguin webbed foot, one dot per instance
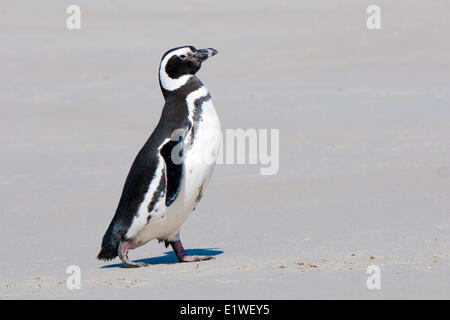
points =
(123, 255)
(177, 247)
(130, 264)
(187, 258)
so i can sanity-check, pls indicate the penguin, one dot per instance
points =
(171, 171)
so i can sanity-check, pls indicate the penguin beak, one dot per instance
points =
(203, 54)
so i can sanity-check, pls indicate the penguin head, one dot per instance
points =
(179, 64)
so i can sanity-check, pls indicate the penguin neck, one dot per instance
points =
(191, 85)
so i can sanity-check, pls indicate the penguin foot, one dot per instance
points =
(131, 264)
(123, 255)
(196, 258)
(177, 247)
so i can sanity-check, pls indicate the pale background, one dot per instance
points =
(365, 147)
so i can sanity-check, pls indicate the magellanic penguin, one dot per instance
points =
(170, 172)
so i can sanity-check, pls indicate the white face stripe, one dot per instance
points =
(167, 82)
(190, 100)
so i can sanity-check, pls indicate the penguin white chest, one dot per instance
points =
(201, 145)
(202, 148)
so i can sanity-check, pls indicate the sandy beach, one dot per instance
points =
(364, 148)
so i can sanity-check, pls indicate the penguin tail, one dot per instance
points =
(110, 243)
(107, 253)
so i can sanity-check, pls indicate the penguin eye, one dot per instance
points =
(183, 56)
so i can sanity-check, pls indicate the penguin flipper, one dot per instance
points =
(172, 153)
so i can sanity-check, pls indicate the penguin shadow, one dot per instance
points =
(170, 258)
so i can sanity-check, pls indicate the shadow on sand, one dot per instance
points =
(170, 258)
